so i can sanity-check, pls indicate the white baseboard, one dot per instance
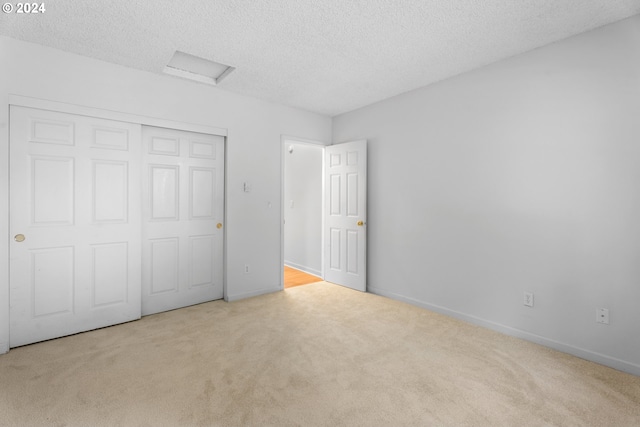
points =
(303, 268)
(582, 353)
(236, 297)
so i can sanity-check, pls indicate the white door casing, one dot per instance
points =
(74, 196)
(345, 205)
(183, 209)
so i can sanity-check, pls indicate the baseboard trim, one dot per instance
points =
(236, 297)
(582, 353)
(309, 270)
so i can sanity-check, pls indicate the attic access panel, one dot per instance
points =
(195, 68)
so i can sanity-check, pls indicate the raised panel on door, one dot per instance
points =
(183, 182)
(110, 138)
(335, 260)
(110, 273)
(352, 195)
(52, 275)
(110, 191)
(202, 189)
(164, 266)
(51, 190)
(335, 199)
(164, 192)
(50, 131)
(201, 269)
(345, 214)
(352, 248)
(75, 200)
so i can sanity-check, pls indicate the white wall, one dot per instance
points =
(303, 207)
(520, 176)
(254, 128)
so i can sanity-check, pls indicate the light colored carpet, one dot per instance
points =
(315, 355)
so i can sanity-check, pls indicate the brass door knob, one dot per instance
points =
(19, 238)
(219, 225)
(360, 223)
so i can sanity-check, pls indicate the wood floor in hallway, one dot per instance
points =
(293, 277)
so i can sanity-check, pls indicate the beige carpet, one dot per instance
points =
(315, 355)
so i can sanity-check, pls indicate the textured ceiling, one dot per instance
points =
(327, 56)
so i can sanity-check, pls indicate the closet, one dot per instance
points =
(109, 220)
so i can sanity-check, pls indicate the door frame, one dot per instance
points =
(284, 141)
(42, 104)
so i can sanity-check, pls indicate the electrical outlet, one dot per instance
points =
(602, 316)
(528, 299)
(246, 269)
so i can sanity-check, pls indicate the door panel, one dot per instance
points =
(74, 197)
(109, 273)
(164, 266)
(52, 273)
(182, 245)
(164, 192)
(345, 214)
(110, 195)
(52, 187)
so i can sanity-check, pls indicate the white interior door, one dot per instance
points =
(183, 196)
(75, 224)
(345, 234)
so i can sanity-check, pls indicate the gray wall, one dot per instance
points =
(520, 176)
(303, 207)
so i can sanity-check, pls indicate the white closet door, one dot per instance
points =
(183, 195)
(75, 224)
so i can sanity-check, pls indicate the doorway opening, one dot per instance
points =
(302, 212)
(324, 211)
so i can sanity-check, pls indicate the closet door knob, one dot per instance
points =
(19, 238)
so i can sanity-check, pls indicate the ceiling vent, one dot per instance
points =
(195, 68)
